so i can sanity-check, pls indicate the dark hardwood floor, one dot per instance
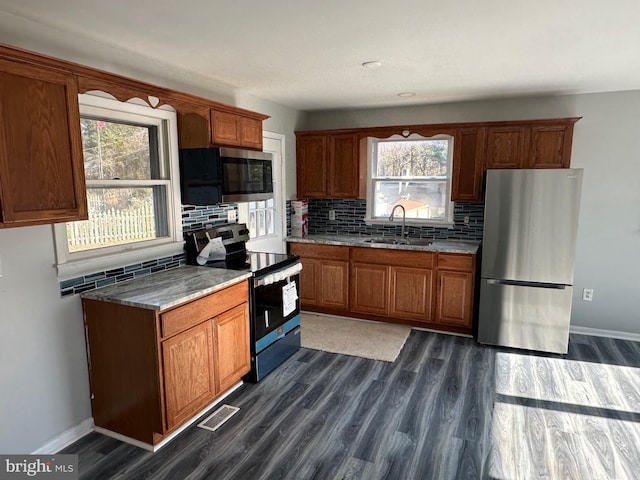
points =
(448, 408)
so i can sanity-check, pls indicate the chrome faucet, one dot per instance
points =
(404, 218)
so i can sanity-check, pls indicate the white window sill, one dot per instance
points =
(86, 266)
(409, 222)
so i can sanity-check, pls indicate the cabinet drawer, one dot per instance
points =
(310, 250)
(400, 258)
(452, 261)
(197, 311)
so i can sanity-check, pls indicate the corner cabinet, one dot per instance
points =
(41, 163)
(152, 371)
(324, 279)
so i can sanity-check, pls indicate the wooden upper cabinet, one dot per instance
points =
(506, 146)
(194, 129)
(203, 127)
(41, 163)
(328, 165)
(550, 146)
(311, 165)
(343, 166)
(468, 164)
(235, 130)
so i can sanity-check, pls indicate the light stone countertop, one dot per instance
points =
(167, 289)
(448, 246)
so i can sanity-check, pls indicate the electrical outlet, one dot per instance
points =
(587, 294)
(332, 214)
(231, 215)
(466, 219)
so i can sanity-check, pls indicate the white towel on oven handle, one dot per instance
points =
(279, 275)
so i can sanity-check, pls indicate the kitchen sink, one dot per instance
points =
(422, 242)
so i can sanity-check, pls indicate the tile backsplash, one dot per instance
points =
(349, 220)
(193, 218)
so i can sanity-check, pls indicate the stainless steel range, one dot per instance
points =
(273, 295)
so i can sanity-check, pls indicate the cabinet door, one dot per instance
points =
(309, 282)
(194, 129)
(468, 164)
(311, 153)
(343, 166)
(189, 384)
(506, 147)
(41, 162)
(225, 128)
(251, 133)
(334, 284)
(231, 338)
(411, 293)
(550, 146)
(454, 298)
(370, 288)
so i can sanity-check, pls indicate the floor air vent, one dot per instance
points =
(217, 418)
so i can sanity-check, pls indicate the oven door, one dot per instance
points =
(274, 304)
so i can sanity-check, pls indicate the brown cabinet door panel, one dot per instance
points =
(231, 338)
(311, 153)
(455, 298)
(506, 147)
(189, 382)
(468, 165)
(41, 163)
(369, 288)
(251, 133)
(550, 146)
(225, 128)
(334, 286)
(309, 282)
(411, 293)
(343, 166)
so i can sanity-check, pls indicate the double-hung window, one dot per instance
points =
(131, 178)
(414, 172)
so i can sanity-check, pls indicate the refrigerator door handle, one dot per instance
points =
(518, 283)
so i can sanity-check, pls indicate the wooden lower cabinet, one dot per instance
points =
(188, 367)
(324, 280)
(231, 346)
(370, 288)
(454, 290)
(150, 372)
(411, 293)
(419, 288)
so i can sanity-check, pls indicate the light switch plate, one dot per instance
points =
(231, 216)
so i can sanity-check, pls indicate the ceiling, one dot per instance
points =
(308, 54)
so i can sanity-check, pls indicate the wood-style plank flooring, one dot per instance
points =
(448, 408)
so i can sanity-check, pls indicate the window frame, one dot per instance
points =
(370, 219)
(71, 264)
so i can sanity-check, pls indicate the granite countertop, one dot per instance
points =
(448, 246)
(167, 289)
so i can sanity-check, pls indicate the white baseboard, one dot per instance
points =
(158, 446)
(66, 438)
(598, 332)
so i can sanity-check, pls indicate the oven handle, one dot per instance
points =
(278, 275)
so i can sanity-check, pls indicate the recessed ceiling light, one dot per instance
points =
(407, 94)
(372, 64)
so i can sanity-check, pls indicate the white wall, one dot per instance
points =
(43, 371)
(606, 144)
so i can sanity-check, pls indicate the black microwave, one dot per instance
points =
(209, 176)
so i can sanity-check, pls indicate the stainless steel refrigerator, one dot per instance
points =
(528, 252)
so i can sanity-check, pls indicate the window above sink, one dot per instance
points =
(414, 172)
